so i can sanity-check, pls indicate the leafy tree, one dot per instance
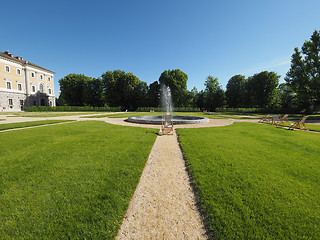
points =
(93, 92)
(60, 101)
(214, 96)
(194, 94)
(153, 95)
(177, 81)
(72, 89)
(200, 102)
(286, 96)
(235, 92)
(261, 89)
(304, 74)
(123, 89)
(110, 90)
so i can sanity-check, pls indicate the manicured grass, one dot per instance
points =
(291, 116)
(133, 114)
(197, 114)
(311, 127)
(254, 181)
(7, 126)
(213, 116)
(46, 114)
(123, 115)
(70, 181)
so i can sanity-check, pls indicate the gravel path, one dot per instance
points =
(163, 205)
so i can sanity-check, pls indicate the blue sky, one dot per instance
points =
(218, 38)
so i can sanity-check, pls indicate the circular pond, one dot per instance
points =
(176, 119)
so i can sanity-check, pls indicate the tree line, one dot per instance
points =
(300, 92)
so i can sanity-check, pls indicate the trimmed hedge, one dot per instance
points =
(176, 109)
(72, 109)
(257, 110)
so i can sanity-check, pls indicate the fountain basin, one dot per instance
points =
(157, 120)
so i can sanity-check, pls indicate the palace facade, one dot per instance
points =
(23, 83)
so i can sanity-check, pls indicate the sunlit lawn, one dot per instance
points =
(311, 127)
(256, 181)
(69, 181)
(46, 114)
(197, 114)
(7, 126)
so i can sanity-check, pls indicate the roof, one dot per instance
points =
(9, 56)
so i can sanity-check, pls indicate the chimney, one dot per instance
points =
(19, 58)
(8, 53)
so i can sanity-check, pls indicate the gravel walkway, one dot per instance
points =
(163, 205)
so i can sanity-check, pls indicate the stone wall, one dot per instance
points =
(16, 101)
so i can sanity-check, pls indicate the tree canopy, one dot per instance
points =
(124, 89)
(72, 89)
(235, 92)
(259, 90)
(177, 81)
(214, 96)
(304, 74)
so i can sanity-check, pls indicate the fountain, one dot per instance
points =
(166, 102)
(166, 99)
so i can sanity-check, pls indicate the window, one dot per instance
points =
(19, 87)
(7, 69)
(18, 71)
(41, 77)
(8, 85)
(10, 102)
(32, 74)
(21, 102)
(41, 88)
(33, 89)
(35, 103)
(49, 79)
(49, 90)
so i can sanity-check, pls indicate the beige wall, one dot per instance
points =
(12, 75)
(16, 79)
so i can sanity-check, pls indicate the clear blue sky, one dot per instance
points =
(218, 38)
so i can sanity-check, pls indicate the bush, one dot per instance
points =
(242, 110)
(72, 109)
(176, 109)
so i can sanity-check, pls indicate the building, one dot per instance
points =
(23, 83)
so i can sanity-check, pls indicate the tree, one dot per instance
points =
(214, 96)
(235, 92)
(177, 81)
(304, 74)
(72, 89)
(262, 89)
(286, 96)
(194, 94)
(124, 90)
(153, 95)
(92, 95)
(200, 103)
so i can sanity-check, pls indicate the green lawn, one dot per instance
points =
(124, 115)
(311, 127)
(197, 114)
(7, 126)
(46, 114)
(70, 181)
(255, 181)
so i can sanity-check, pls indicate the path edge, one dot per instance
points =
(209, 233)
